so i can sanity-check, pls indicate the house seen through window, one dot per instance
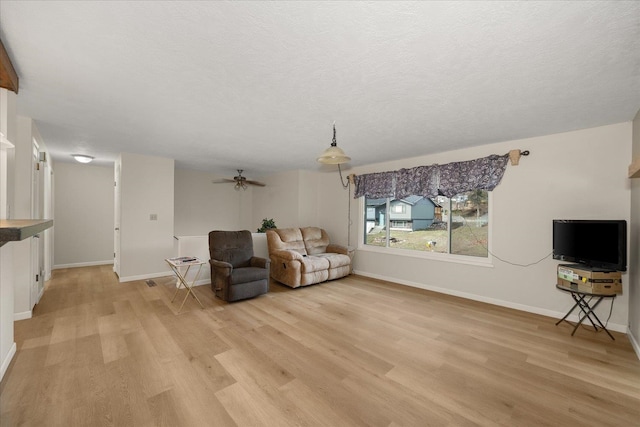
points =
(457, 225)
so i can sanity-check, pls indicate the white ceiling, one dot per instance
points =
(257, 85)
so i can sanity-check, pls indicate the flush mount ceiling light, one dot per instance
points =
(334, 154)
(82, 158)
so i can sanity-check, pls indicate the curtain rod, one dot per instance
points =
(514, 157)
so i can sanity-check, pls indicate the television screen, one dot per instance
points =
(596, 243)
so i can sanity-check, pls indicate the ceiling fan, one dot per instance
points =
(240, 181)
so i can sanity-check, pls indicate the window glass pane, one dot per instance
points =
(427, 224)
(415, 223)
(470, 223)
(375, 222)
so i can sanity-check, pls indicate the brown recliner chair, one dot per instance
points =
(235, 273)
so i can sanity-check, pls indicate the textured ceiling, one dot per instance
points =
(257, 85)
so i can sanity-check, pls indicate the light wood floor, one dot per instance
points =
(352, 352)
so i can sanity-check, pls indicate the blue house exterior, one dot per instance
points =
(410, 213)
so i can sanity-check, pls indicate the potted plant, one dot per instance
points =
(266, 225)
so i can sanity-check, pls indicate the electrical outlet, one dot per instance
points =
(153, 217)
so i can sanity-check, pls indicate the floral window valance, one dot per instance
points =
(429, 181)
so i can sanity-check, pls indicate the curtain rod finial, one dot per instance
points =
(514, 156)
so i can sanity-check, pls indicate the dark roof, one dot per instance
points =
(410, 200)
(376, 202)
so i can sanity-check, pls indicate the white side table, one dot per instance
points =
(176, 264)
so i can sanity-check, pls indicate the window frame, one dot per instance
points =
(434, 256)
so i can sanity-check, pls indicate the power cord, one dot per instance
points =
(346, 187)
(496, 256)
(581, 316)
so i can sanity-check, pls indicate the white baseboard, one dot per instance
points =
(22, 315)
(82, 264)
(146, 276)
(634, 342)
(129, 278)
(7, 360)
(200, 282)
(536, 310)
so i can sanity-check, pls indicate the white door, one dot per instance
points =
(117, 217)
(48, 214)
(37, 242)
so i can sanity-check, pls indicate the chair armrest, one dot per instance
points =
(221, 267)
(260, 262)
(339, 249)
(287, 255)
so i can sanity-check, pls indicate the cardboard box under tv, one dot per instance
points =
(587, 279)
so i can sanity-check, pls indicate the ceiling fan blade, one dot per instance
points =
(222, 181)
(258, 183)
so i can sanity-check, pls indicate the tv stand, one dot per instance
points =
(588, 286)
(580, 297)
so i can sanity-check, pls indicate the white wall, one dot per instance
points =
(308, 198)
(84, 215)
(8, 127)
(336, 207)
(278, 200)
(201, 206)
(634, 252)
(580, 174)
(29, 203)
(291, 198)
(147, 187)
(22, 209)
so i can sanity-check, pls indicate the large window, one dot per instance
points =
(457, 225)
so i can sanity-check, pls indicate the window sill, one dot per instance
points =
(432, 256)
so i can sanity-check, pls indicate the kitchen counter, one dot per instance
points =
(12, 230)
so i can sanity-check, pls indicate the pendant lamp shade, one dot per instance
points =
(333, 155)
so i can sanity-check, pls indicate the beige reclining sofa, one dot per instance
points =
(304, 256)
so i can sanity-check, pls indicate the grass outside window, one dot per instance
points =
(456, 226)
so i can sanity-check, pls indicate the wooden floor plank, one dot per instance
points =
(350, 352)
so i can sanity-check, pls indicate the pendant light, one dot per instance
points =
(334, 154)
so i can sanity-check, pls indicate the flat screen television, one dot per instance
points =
(595, 243)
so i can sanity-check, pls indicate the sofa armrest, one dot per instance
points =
(287, 255)
(339, 249)
(260, 262)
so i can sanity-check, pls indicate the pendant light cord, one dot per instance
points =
(346, 187)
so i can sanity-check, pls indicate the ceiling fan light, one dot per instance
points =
(82, 158)
(333, 156)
